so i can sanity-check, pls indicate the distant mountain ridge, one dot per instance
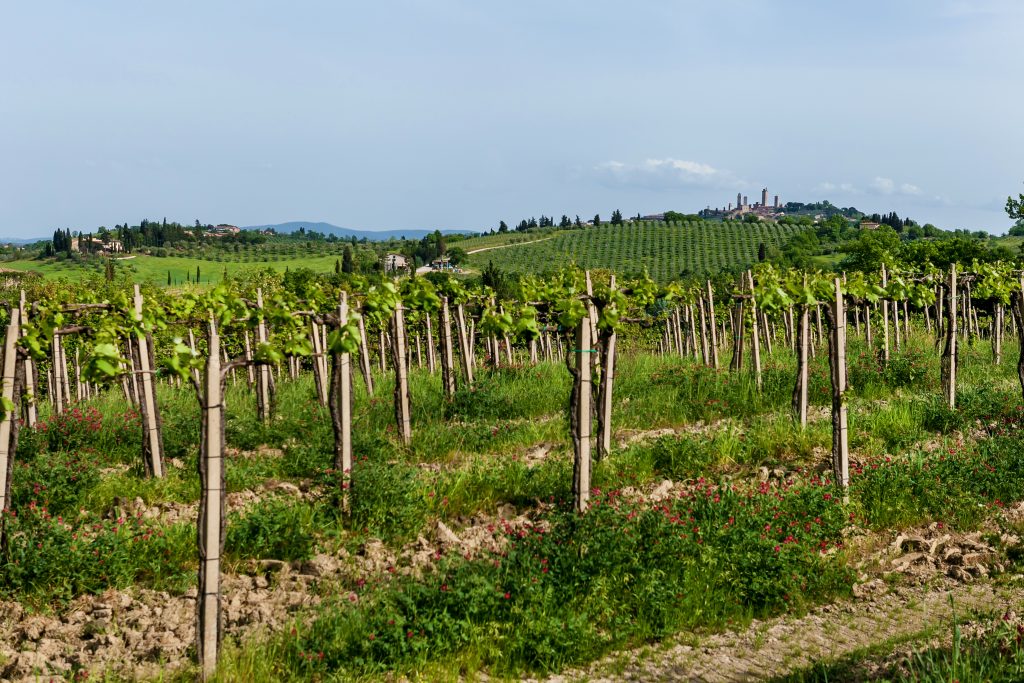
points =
(330, 229)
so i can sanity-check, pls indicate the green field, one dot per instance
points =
(665, 251)
(154, 269)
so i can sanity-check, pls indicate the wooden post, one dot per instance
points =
(431, 362)
(803, 342)
(364, 358)
(251, 370)
(738, 329)
(319, 355)
(263, 390)
(714, 329)
(402, 408)
(705, 351)
(152, 444)
(79, 394)
(447, 353)
(896, 324)
(7, 425)
(465, 344)
(56, 384)
(64, 376)
(755, 336)
(1017, 312)
(950, 351)
(31, 414)
(997, 334)
(885, 319)
(837, 358)
(604, 443)
(211, 509)
(581, 416)
(906, 320)
(341, 410)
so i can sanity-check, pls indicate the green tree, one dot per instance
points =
(616, 217)
(868, 252)
(597, 219)
(457, 255)
(347, 262)
(502, 227)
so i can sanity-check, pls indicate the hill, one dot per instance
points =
(330, 229)
(665, 250)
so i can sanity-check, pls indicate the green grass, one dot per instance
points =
(466, 461)
(154, 269)
(666, 251)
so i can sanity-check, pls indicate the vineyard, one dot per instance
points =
(414, 478)
(666, 251)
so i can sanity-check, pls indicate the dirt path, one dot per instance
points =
(787, 644)
(513, 244)
(426, 269)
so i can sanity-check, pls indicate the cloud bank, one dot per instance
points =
(667, 173)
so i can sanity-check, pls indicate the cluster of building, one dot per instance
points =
(95, 245)
(744, 207)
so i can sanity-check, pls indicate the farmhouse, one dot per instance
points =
(394, 263)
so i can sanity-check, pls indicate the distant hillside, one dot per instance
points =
(329, 229)
(23, 240)
(665, 250)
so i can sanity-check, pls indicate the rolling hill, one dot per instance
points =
(330, 229)
(664, 250)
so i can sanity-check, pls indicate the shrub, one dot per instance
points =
(52, 558)
(274, 529)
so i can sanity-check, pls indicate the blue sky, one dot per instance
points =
(459, 113)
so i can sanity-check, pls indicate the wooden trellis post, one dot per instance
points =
(803, 342)
(950, 350)
(997, 334)
(1017, 312)
(885, 319)
(755, 337)
(604, 442)
(403, 415)
(8, 424)
(211, 508)
(319, 362)
(465, 344)
(364, 358)
(714, 329)
(447, 352)
(705, 351)
(431, 362)
(264, 396)
(249, 367)
(341, 410)
(56, 383)
(581, 415)
(837, 359)
(31, 414)
(152, 443)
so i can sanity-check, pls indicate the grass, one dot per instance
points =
(665, 250)
(154, 269)
(627, 574)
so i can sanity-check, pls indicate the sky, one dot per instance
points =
(399, 114)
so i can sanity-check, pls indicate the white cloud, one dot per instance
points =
(888, 186)
(883, 185)
(667, 173)
(845, 188)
